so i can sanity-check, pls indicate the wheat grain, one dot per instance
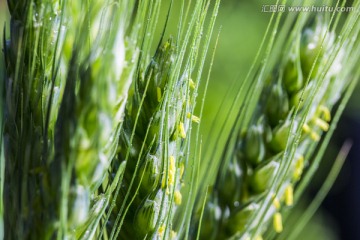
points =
(156, 148)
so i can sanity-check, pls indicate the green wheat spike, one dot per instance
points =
(69, 68)
(236, 207)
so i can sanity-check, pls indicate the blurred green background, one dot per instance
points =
(242, 25)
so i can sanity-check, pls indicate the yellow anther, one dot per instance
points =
(192, 84)
(276, 202)
(297, 174)
(194, 118)
(306, 128)
(173, 234)
(258, 238)
(314, 136)
(289, 195)
(171, 175)
(158, 91)
(322, 124)
(299, 167)
(277, 222)
(182, 169)
(161, 230)
(182, 130)
(177, 197)
(326, 112)
(172, 171)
